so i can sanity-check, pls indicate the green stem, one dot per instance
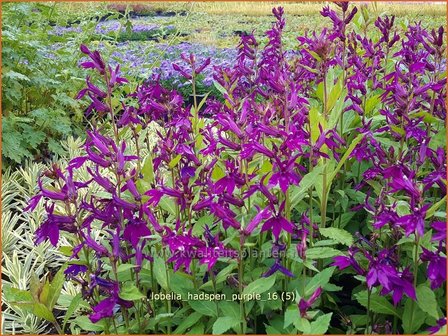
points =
(212, 275)
(58, 327)
(369, 313)
(240, 288)
(417, 246)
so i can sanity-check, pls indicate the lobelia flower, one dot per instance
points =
(436, 266)
(277, 223)
(96, 60)
(343, 262)
(414, 222)
(440, 228)
(107, 307)
(284, 174)
(304, 305)
(440, 324)
(135, 230)
(277, 266)
(255, 222)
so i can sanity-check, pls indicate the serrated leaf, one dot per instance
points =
(319, 280)
(84, 323)
(260, 286)
(378, 304)
(344, 158)
(40, 310)
(131, 293)
(426, 300)
(224, 323)
(418, 317)
(309, 180)
(340, 235)
(188, 322)
(74, 304)
(320, 326)
(207, 308)
(148, 169)
(173, 163)
(160, 272)
(432, 210)
(291, 314)
(322, 252)
(125, 267)
(303, 325)
(56, 287)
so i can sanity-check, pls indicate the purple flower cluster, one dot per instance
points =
(225, 176)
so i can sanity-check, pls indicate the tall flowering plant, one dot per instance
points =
(315, 181)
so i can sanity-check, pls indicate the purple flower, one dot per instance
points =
(414, 222)
(440, 324)
(104, 308)
(135, 230)
(277, 266)
(96, 60)
(277, 224)
(304, 305)
(436, 267)
(440, 228)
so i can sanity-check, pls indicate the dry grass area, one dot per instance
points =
(263, 8)
(300, 8)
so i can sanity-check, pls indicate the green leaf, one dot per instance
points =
(188, 322)
(181, 283)
(160, 272)
(168, 204)
(342, 236)
(315, 120)
(426, 300)
(44, 292)
(345, 157)
(34, 286)
(230, 308)
(309, 180)
(197, 329)
(224, 323)
(71, 309)
(217, 173)
(320, 326)
(411, 326)
(260, 285)
(173, 163)
(371, 103)
(378, 304)
(335, 94)
(319, 280)
(40, 310)
(84, 323)
(432, 210)
(124, 268)
(55, 288)
(427, 118)
(219, 87)
(131, 293)
(221, 277)
(207, 308)
(291, 314)
(303, 325)
(198, 227)
(270, 330)
(322, 252)
(148, 169)
(266, 167)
